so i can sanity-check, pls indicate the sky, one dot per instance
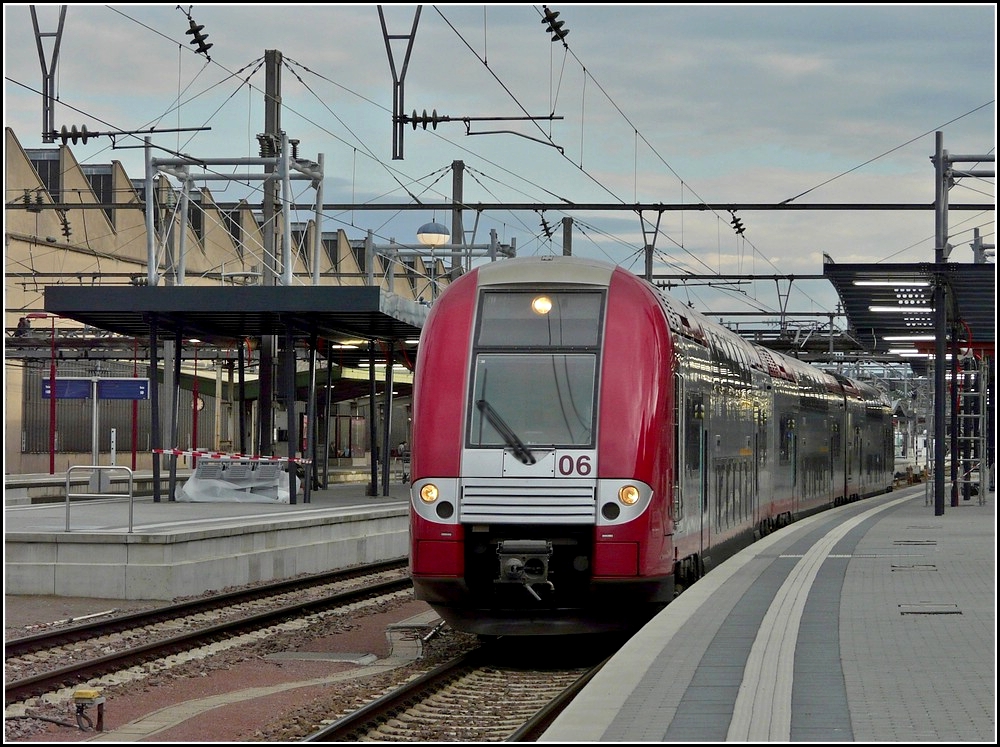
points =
(650, 104)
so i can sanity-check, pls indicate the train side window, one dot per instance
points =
(692, 437)
(787, 433)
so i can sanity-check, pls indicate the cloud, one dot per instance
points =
(649, 103)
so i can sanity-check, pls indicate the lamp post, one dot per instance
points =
(432, 237)
(433, 234)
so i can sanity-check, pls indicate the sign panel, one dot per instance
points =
(67, 388)
(123, 388)
(75, 388)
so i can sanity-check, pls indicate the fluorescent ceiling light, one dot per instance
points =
(895, 283)
(901, 309)
(909, 338)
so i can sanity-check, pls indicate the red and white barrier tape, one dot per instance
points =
(236, 457)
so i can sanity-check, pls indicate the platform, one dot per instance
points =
(162, 550)
(871, 622)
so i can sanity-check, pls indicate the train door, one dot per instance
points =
(788, 460)
(796, 487)
(680, 454)
(833, 448)
(690, 499)
(759, 454)
(857, 450)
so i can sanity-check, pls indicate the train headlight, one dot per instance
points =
(628, 495)
(621, 501)
(429, 493)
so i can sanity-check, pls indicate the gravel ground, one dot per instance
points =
(286, 715)
(23, 613)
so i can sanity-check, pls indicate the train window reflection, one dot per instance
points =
(513, 319)
(544, 399)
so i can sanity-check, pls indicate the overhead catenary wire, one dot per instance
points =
(588, 76)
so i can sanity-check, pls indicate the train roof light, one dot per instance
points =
(541, 305)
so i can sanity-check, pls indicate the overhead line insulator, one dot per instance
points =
(737, 224)
(72, 134)
(199, 38)
(433, 118)
(554, 27)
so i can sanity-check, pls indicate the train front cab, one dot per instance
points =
(547, 455)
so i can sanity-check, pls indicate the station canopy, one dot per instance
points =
(890, 306)
(342, 319)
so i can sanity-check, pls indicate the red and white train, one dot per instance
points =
(584, 447)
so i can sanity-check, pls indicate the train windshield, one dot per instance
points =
(535, 374)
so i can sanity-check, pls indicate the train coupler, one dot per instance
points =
(525, 562)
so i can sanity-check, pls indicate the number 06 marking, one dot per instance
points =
(579, 466)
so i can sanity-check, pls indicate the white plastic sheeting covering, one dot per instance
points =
(229, 480)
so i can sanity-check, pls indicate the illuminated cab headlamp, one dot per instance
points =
(628, 495)
(541, 305)
(429, 493)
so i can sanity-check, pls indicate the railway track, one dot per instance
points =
(474, 698)
(68, 656)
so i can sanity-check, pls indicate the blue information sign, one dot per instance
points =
(123, 388)
(67, 388)
(70, 388)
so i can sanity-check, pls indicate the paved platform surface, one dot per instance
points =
(872, 622)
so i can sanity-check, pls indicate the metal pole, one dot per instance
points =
(154, 404)
(457, 230)
(286, 197)
(152, 274)
(181, 267)
(955, 406)
(309, 468)
(269, 343)
(135, 402)
(387, 420)
(326, 416)
(293, 431)
(194, 408)
(52, 402)
(243, 398)
(372, 420)
(94, 422)
(318, 220)
(940, 318)
(174, 413)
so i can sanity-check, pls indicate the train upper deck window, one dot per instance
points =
(540, 319)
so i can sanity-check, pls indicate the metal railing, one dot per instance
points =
(98, 471)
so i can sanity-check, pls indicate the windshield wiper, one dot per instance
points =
(520, 450)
